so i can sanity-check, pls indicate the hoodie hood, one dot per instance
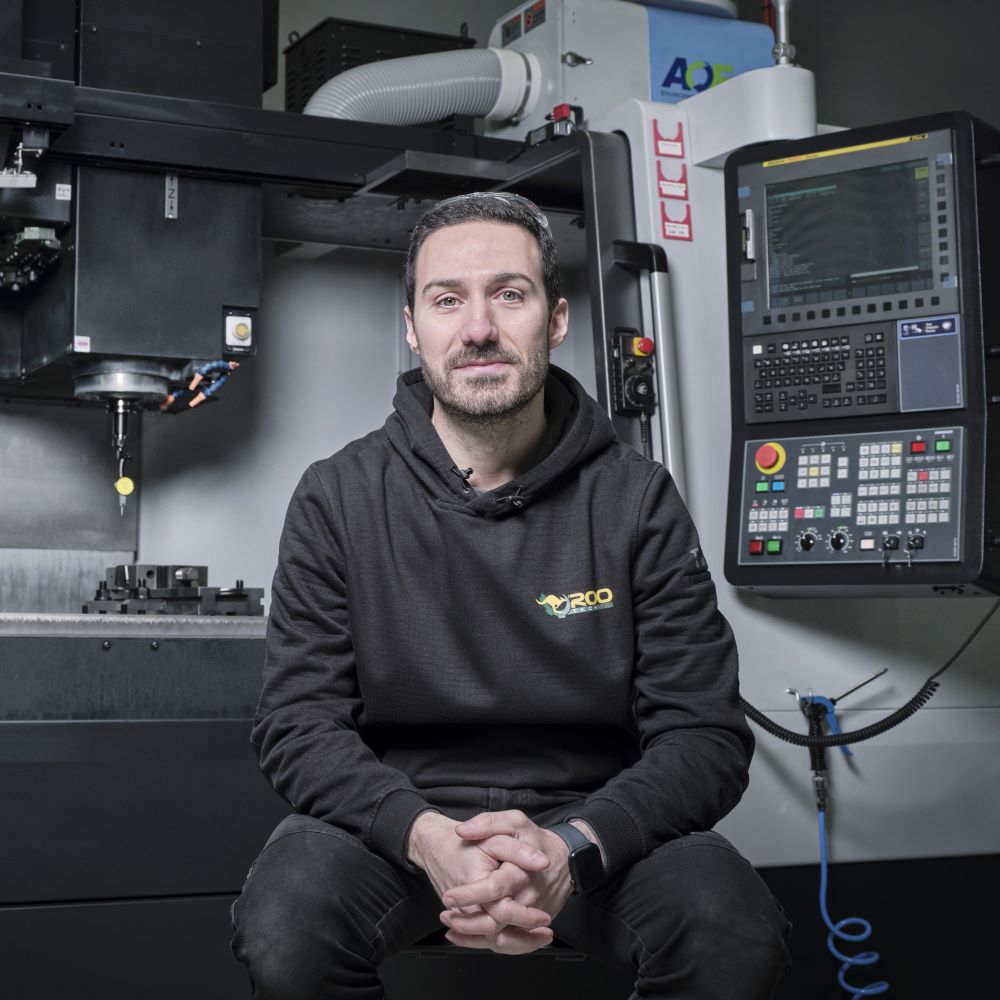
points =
(576, 429)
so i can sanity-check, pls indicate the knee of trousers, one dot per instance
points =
(722, 916)
(746, 937)
(307, 918)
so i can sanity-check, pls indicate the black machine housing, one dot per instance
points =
(105, 271)
(865, 362)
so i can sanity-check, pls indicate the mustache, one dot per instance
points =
(483, 352)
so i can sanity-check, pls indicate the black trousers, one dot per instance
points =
(319, 913)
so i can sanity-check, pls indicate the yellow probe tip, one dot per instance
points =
(124, 486)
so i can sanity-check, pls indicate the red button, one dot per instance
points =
(918, 447)
(923, 476)
(642, 346)
(756, 547)
(767, 456)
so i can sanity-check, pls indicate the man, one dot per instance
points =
(499, 694)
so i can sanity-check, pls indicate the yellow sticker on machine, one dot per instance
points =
(803, 157)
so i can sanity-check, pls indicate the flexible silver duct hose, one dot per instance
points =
(413, 90)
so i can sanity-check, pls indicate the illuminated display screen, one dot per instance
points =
(849, 235)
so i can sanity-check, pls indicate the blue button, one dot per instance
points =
(778, 486)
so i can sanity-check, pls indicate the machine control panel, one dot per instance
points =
(863, 340)
(853, 498)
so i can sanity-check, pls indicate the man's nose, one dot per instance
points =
(480, 324)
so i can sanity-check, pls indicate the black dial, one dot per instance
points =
(838, 541)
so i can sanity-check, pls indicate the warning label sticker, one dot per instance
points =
(676, 229)
(534, 16)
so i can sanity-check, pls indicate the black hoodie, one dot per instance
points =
(556, 638)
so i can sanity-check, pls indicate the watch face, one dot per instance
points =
(586, 868)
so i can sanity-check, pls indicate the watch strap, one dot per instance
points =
(575, 837)
(586, 866)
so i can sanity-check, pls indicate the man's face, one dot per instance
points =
(480, 321)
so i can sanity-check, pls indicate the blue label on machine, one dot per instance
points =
(936, 327)
(688, 53)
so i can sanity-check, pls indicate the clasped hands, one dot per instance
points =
(502, 878)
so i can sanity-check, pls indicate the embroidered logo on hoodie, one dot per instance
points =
(560, 606)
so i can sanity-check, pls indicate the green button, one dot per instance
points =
(762, 487)
(942, 446)
(819, 512)
(774, 546)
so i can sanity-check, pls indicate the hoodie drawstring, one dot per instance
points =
(464, 475)
(514, 499)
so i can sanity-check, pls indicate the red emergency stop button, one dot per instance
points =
(769, 457)
(642, 346)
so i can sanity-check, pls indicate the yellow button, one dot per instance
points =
(897, 447)
(124, 487)
(241, 330)
(813, 470)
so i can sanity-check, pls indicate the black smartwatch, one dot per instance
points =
(586, 869)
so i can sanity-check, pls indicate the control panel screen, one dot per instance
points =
(847, 235)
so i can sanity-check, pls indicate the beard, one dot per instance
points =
(488, 399)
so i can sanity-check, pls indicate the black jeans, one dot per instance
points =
(319, 913)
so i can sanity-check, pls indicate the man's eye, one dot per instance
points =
(511, 295)
(447, 300)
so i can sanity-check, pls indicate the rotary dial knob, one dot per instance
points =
(839, 541)
(807, 540)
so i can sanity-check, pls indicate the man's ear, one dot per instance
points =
(559, 324)
(411, 334)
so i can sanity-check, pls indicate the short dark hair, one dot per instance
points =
(487, 206)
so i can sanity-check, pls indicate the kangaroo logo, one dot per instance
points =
(561, 606)
(558, 607)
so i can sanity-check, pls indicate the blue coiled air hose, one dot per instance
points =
(817, 744)
(839, 931)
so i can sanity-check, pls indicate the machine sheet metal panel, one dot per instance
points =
(143, 284)
(204, 51)
(125, 742)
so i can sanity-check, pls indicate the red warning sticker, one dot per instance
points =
(674, 229)
(672, 187)
(666, 146)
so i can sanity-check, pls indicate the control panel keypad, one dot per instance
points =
(852, 498)
(808, 378)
